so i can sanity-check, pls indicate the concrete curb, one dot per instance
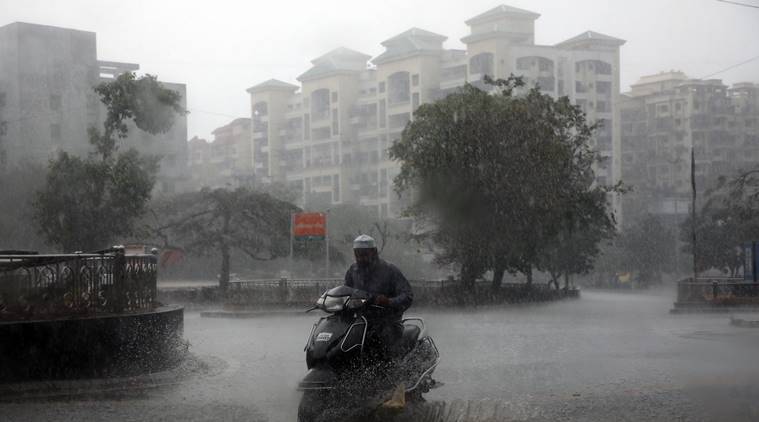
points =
(746, 321)
(250, 314)
(34, 390)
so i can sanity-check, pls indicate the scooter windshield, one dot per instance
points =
(333, 303)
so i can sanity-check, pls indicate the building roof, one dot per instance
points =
(661, 77)
(499, 12)
(412, 42)
(591, 37)
(197, 142)
(39, 26)
(416, 33)
(272, 85)
(339, 60)
(240, 121)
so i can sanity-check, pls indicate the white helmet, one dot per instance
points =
(364, 242)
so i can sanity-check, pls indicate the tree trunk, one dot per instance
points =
(468, 276)
(555, 280)
(224, 274)
(528, 273)
(498, 277)
(566, 281)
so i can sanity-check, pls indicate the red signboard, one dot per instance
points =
(309, 224)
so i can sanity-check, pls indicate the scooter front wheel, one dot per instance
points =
(312, 405)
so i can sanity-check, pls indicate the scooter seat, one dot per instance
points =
(410, 337)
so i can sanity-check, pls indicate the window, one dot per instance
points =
(336, 188)
(55, 102)
(415, 100)
(603, 87)
(260, 109)
(415, 80)
(335, 125)
(381, 87)
(399, 121)
(334, 97)
(306, 126)
(481, 64)
(398, 88)
(55, 132)
(382, 113)
(320, 104)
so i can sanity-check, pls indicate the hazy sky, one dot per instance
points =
(219, 48)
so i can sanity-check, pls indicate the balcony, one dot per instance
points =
(453, 83)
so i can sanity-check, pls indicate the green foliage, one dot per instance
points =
(394, 241)
(649, 248)
(218, 221)
(729, 217)
(143, 100)
(87, 203)
(17, 187)
(500, 179)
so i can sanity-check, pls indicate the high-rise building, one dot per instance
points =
(47, 76)
(328, 137)
(46, 80)
(664, 117)
(225, 162)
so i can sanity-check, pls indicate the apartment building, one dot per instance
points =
(46, 79)
(47, 76)
(225, 162)
(666, 115)
(328, 136)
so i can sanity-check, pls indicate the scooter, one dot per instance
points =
(343, 374)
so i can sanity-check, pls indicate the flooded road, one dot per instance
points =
(607, 356)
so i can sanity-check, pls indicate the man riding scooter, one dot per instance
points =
(389, 290)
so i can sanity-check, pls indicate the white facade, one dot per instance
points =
(328, 136)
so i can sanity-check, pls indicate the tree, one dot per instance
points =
(729, 217)
(17, 187)
(649, 248)
(87, 203)
(577, 245)
(497, 178)
(220, 221)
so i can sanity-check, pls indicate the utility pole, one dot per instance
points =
(693, 205)
(290, 260)
(326, 241)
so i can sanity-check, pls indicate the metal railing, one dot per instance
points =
(718, 290)
(326, 282)
(72, 284)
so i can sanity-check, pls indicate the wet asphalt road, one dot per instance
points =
(607, 356)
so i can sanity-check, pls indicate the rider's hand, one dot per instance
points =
(381, 300)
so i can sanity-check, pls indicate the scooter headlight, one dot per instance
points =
(334, 303)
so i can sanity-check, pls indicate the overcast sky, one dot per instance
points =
(219, 48)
